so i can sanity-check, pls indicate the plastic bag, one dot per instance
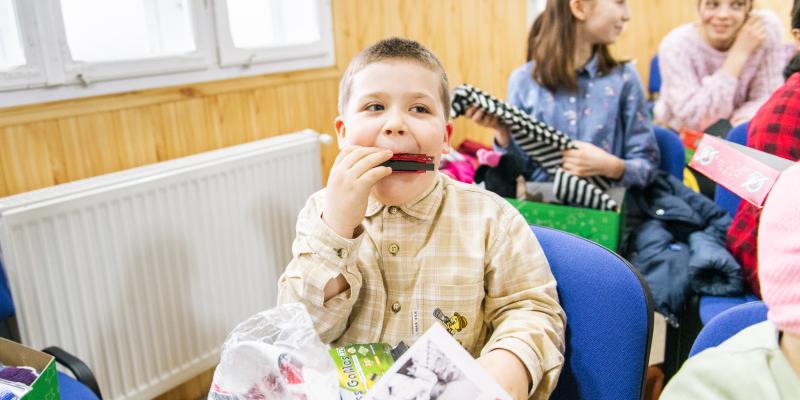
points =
(275, 354)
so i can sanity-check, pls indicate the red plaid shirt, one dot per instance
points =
(774, 129)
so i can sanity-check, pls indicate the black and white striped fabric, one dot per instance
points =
(543, 143)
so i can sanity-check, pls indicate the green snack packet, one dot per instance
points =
(360, 366)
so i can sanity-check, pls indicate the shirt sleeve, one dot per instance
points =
(641, 154)
(521, 304)
(318, 255)
(694, 102)
(713, 374)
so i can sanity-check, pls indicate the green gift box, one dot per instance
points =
(17, 355)
(602, 227)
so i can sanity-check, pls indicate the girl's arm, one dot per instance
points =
(516, 83)
(769, 76)
(694, 102)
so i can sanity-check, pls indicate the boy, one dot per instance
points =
(381, 256)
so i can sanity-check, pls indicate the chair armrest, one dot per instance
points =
(78, 368)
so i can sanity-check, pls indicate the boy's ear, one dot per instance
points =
(341, 131)
(578, 8)
(448, 136)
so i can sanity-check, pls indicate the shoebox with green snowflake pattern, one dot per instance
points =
(602, 227)
(13, 354)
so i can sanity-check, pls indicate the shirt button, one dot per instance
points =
(660, 211)
(342, 253)
(393, 210)
(394, 248)
(572, 99)
(396, 307)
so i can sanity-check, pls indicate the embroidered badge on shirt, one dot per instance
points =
(453, 324)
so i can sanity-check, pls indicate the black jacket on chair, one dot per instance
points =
(678, 244)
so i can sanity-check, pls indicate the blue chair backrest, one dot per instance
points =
(724, 198)
(6, 303)
(609, 319)
(654, 83)
(673, 153)
(728, 323)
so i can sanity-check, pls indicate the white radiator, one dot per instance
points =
(142, 273)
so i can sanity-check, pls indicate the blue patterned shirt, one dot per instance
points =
(609, 111)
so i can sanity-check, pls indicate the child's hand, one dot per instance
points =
(355, 171)
(750, 36)
(590, 160)
(490, 121)
(508, 371)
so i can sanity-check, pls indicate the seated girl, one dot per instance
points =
(722, 67)
(572, 83)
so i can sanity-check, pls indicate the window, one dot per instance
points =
(127, 29)
(251, 32)
(20, 66)
(103, 40)
(11, 52)
(76, 48)
(535, 7)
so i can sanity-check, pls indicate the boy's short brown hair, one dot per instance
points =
(398, 49)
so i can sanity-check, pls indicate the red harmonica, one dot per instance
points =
(407, 162)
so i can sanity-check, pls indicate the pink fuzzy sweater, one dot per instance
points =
(695, 92)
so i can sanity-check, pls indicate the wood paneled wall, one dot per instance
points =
(54, 143)
(478, 41)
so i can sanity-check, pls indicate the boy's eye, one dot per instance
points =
(374, 107)
(420, 109)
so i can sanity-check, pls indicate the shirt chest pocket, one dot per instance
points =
(456, 308)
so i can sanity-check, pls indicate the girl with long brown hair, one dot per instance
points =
(573, 83)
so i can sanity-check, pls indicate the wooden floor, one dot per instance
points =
(193, 389)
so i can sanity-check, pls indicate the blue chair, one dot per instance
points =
(654, 83)
(85, 387)
(673, 153)
(728, 323)
(711, 306)
(724, 198)
(609, 319)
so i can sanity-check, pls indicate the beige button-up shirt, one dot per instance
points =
(458, 256)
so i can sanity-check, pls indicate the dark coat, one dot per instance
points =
(679, 244)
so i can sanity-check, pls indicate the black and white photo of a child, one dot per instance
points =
(427, 375)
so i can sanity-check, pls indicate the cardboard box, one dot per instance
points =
(602, 227)
(747, 172)
(44, 387)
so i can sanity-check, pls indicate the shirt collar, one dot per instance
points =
(423, 207)
(591, 67)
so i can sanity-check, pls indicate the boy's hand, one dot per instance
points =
(355, 171)
(590, 160)
(508, 371)
(490, 121)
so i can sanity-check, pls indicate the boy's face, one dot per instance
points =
(396, 105)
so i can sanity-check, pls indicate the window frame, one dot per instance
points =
(32, 74)
(49, 74)
(230, 55)
(85, 73)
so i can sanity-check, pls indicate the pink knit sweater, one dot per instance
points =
(696, 92)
